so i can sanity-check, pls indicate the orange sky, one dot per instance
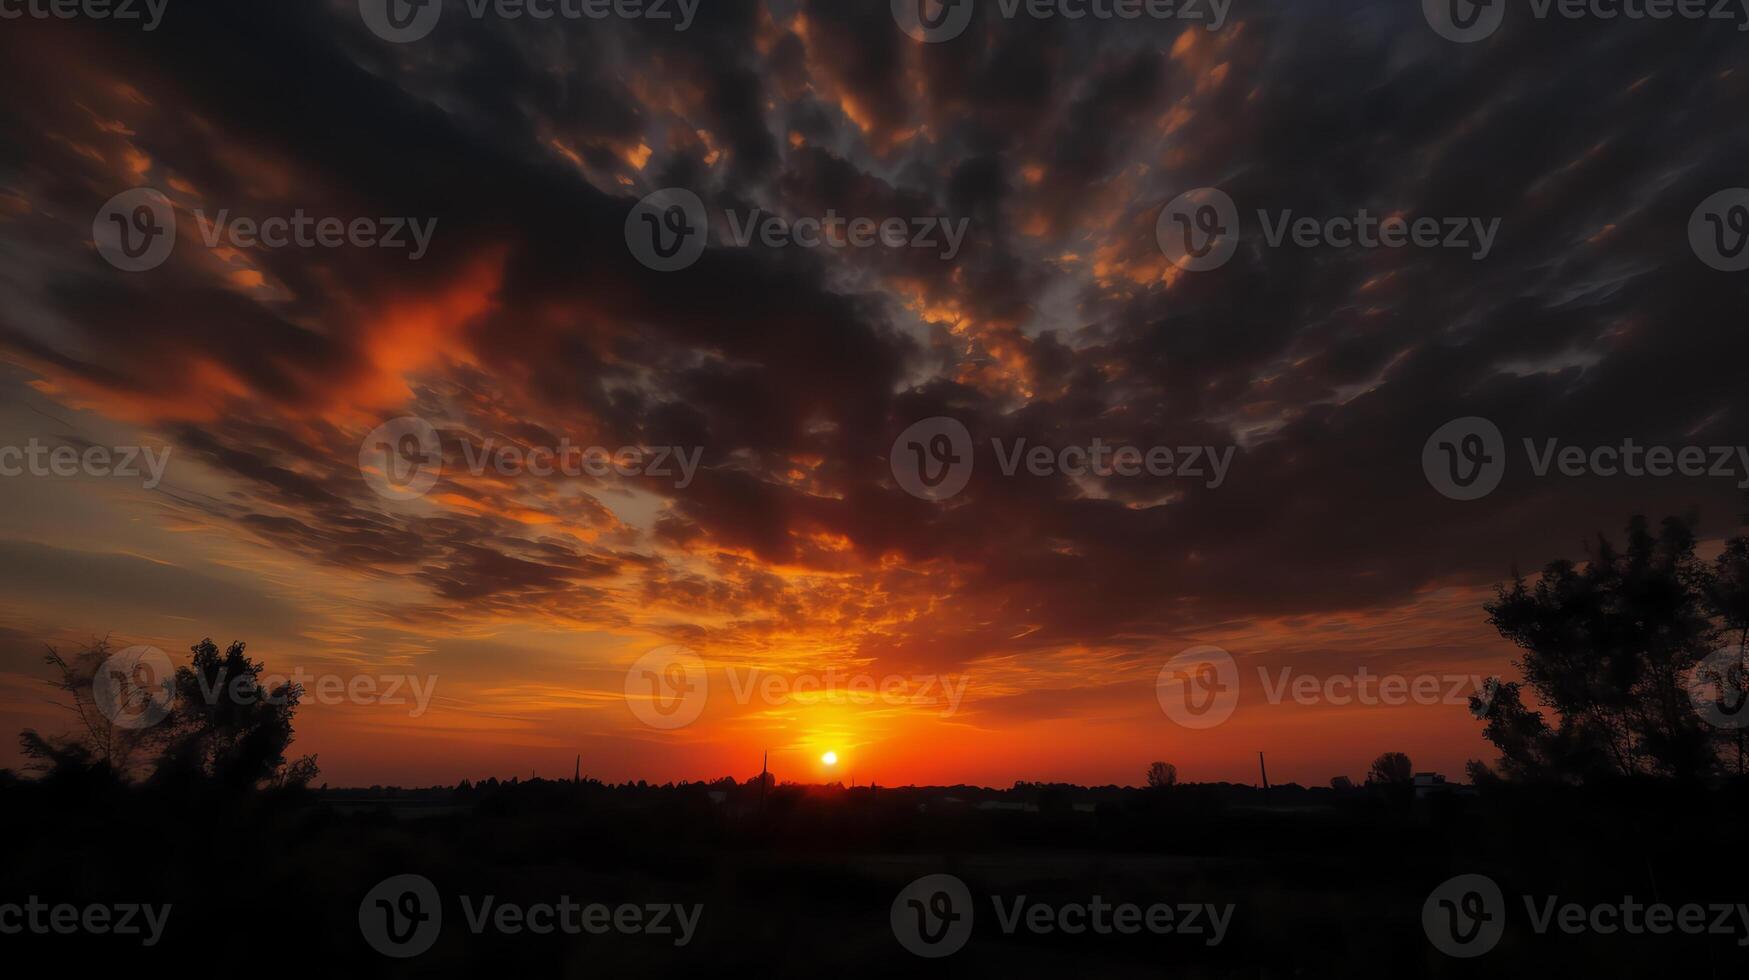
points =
(786, 376)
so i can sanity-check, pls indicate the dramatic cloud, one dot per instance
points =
(1316, 374)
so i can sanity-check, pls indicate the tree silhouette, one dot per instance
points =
(1727, 597)
(1609, 648)
(226, 727)
(1162, 775)
(96, 741)
(220, 728)
(1391, 769)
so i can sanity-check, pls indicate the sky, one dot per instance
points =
(1014, 629)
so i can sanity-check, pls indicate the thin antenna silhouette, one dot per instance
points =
(1264, 770)
(764, 769)
(577, 773)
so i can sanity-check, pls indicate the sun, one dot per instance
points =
(830, 759)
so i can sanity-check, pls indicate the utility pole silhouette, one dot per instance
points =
(764, 777)
(1264, 770)
(577, 773)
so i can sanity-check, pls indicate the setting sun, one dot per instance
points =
(830, 759)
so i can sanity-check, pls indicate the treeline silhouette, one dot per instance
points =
(1610, 782)
(1613, 648)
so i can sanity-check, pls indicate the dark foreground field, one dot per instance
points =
(805, 882)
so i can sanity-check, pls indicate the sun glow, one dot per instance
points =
(830, 759)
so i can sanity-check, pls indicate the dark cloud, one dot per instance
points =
(794, 370)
